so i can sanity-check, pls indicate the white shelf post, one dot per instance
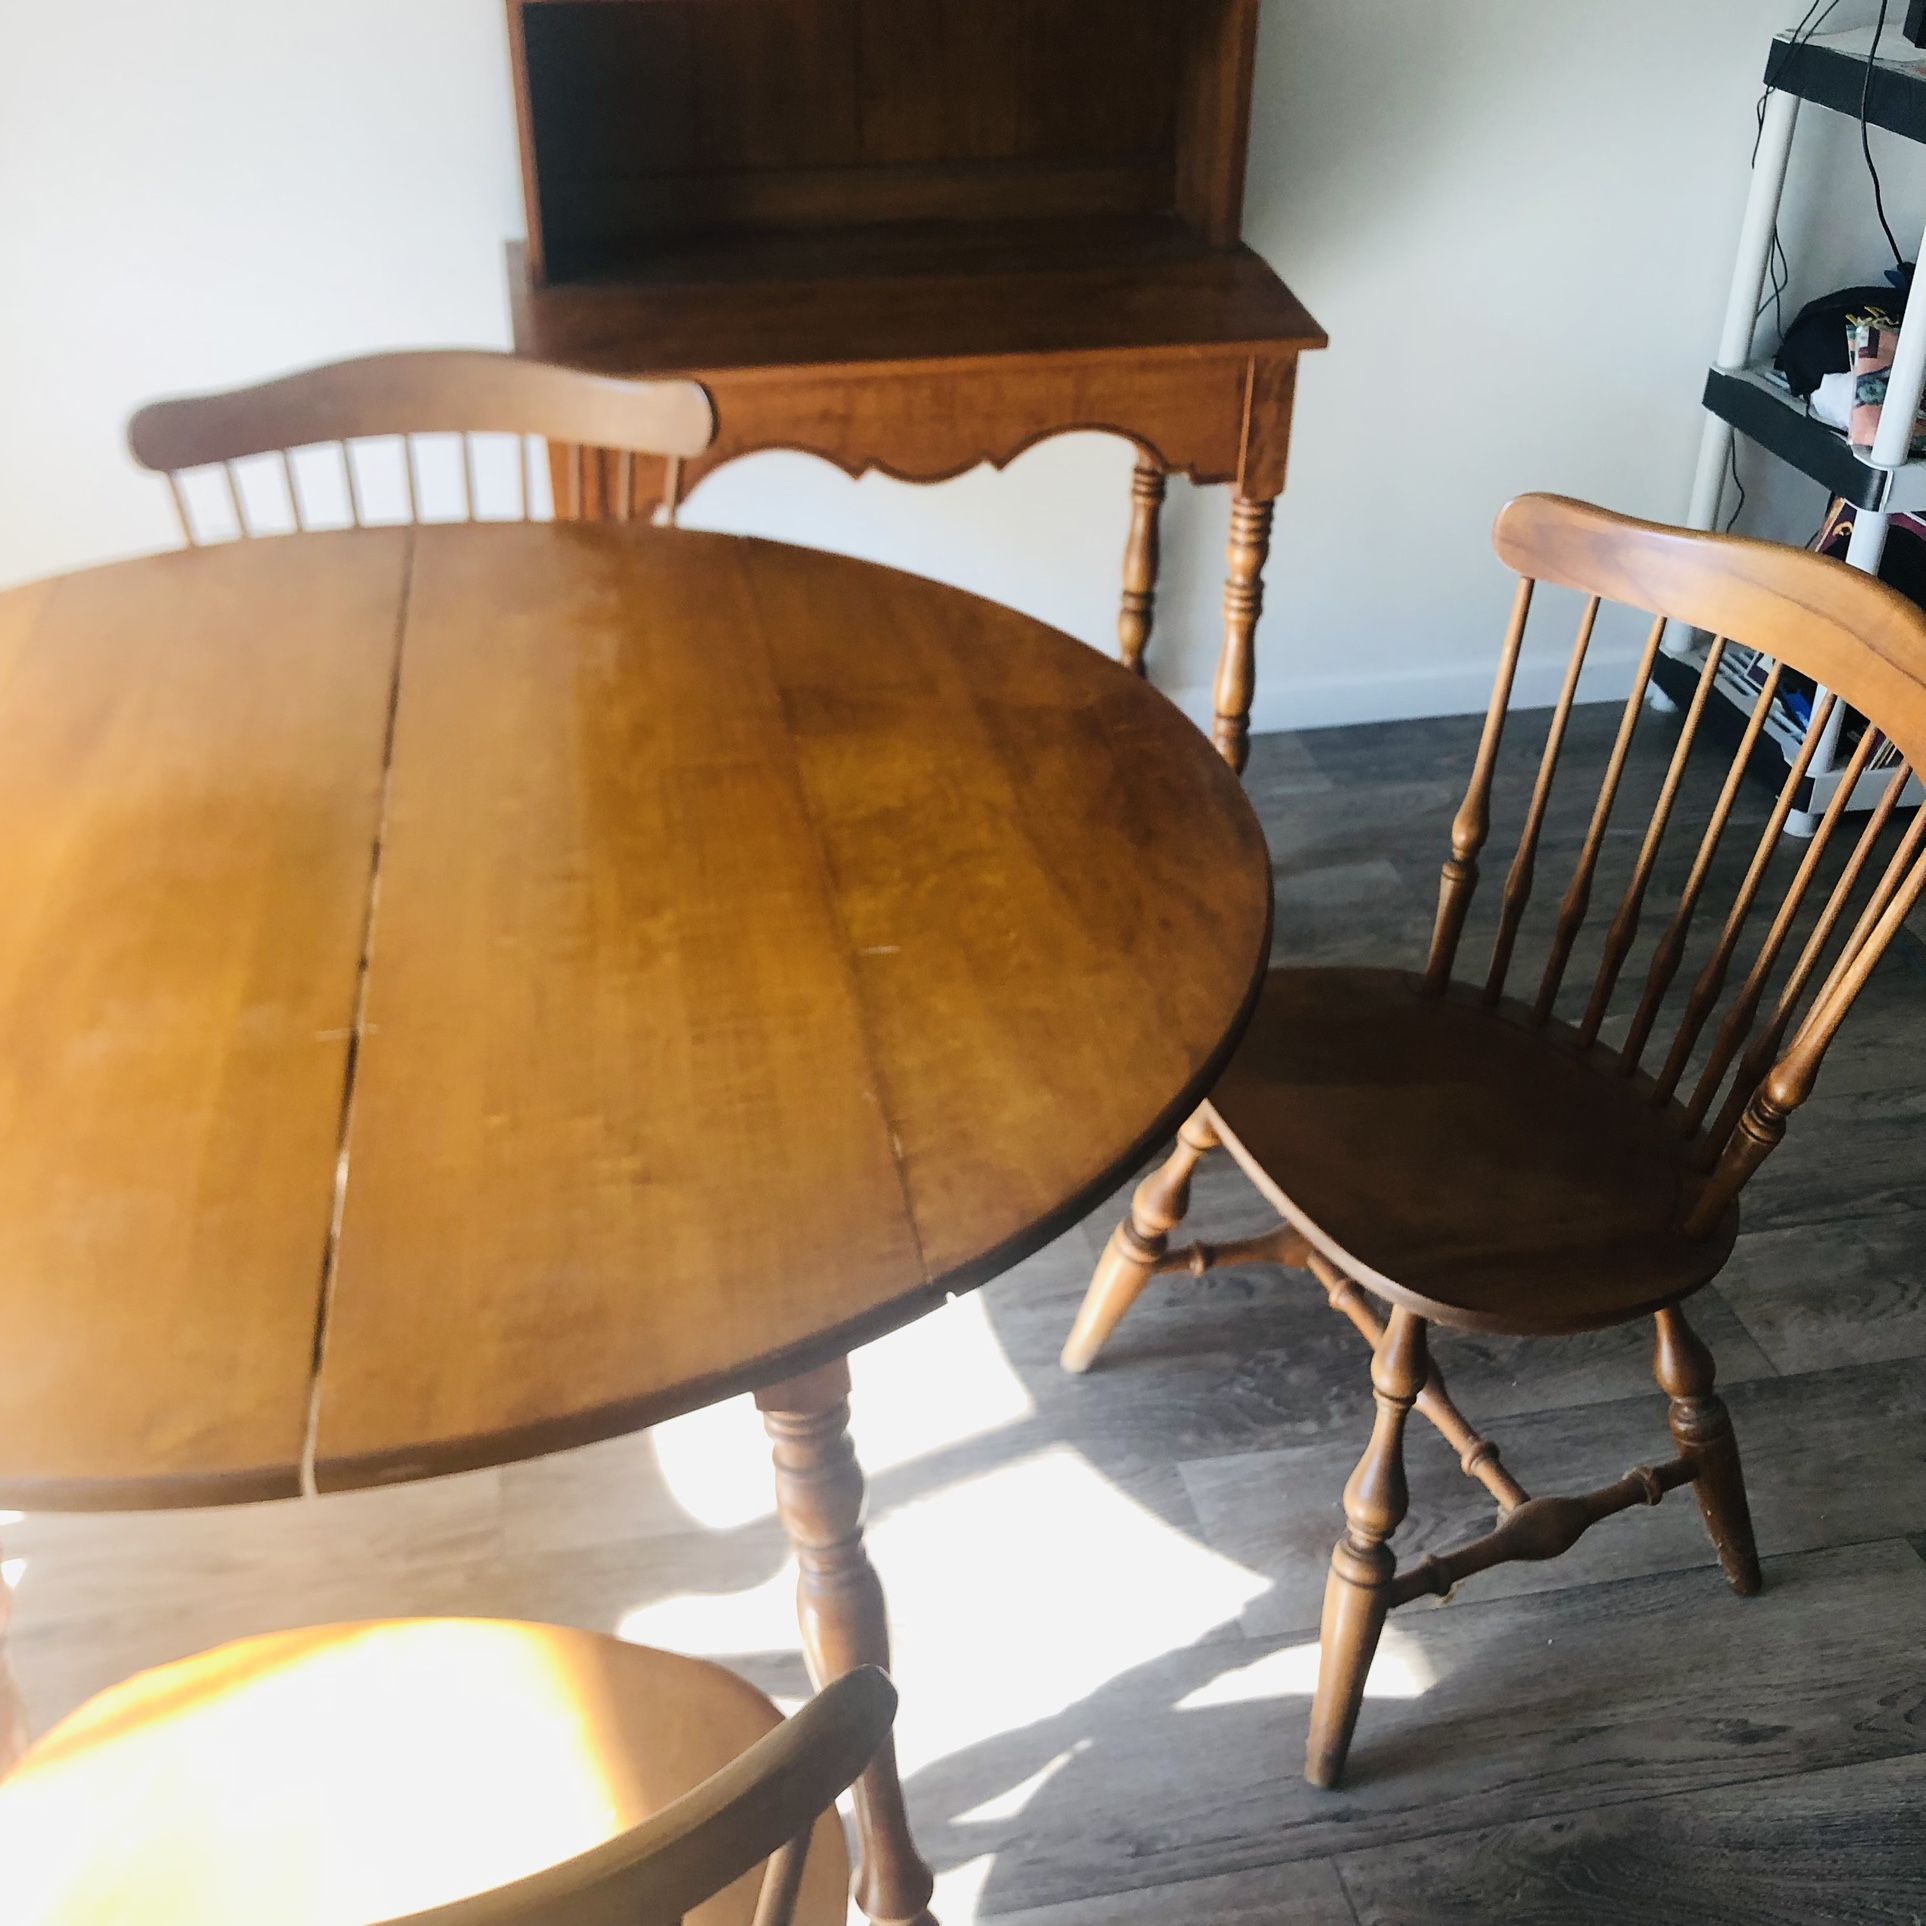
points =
(1743, 301)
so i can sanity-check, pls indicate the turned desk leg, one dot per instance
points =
(1250, 544)
(1142, 554)
(13, 1714)
(839, 1599)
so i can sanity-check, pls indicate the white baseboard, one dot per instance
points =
(1286, 701)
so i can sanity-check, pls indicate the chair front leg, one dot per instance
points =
(1358, 1593)
(1702, 1430)
(1130, 1257)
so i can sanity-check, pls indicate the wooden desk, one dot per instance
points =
(670, 856)
(920, 237)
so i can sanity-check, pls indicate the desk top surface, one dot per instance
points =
(883, 300)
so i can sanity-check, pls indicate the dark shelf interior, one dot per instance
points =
(664, 137)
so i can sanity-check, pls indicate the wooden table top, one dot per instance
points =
(472, 990)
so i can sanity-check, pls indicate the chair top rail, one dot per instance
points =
(709, 1838)
(1849, 632)
(427, 391)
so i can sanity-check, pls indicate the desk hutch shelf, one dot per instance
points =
(917, 235)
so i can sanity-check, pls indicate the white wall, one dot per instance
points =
(1515, 218)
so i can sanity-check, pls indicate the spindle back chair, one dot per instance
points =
(1537, 1150)
(397, 398)
(316, 1776)
(1864, 647)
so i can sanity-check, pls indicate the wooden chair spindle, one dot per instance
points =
(408, 478)
(1671, 948)
(243, 529)
(1472, 823)
(1738, 1019)
(1762, 1123)
(182, 514)
(295, 510)
(470, 481)
(1578, 893)
(1624, 925)
(351, 476)
(1759, 1052)
(1518, 880)
(1712, 974)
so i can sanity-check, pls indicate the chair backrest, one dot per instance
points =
(397, 397)
(759, 1808)
(1775, 610)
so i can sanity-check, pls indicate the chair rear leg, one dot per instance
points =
(1702, 1430)
(1358, 1593)
(1131, 1255)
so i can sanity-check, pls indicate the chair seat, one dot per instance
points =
(356, 1773)
(1449, 1156)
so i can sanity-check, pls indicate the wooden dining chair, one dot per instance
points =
(1477, 1156)
(397, 398)
(439, 1772)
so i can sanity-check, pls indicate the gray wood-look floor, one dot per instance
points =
(1106, 1590)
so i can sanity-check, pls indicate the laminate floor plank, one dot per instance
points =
(1844, 1292)
(1840, 1848)
(1189, 1767)
(1305, 1893)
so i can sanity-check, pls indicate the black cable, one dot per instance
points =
(1732, 468)
(1865, 139)
(1778, 268)
(1803, 32)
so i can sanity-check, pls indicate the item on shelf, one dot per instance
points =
(1875, 340)
(1819, 341)
(1902, 566)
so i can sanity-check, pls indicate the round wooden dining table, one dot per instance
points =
(471, 990)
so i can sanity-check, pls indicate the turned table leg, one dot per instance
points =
(1141, 558)
(1250, 543)
(839, 1599)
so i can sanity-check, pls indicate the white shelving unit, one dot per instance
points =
(1829, 71)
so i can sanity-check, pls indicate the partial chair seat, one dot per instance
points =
(1446, 1154)
(360, 1772)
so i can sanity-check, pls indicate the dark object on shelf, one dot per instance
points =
(1816, 345)
(1903, 563)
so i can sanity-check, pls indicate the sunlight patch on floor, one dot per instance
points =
(1401, 1670)
(1023, 1590)
(718, 1625)
(938, 1384)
